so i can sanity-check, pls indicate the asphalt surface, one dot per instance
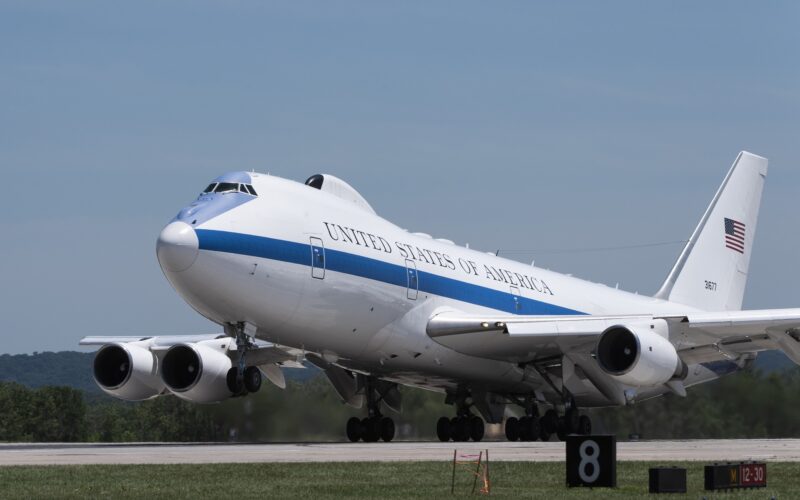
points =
(785, 450)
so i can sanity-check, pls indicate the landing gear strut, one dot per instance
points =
(242, 379)
(463, 427)
(374, 426)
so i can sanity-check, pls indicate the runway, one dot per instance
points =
(783, 450)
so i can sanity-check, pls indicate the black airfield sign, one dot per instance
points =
(592, 461)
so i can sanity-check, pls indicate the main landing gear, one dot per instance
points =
(460, 428)
(463, 427)
(374, 426)
(243, 379)
(532, 427)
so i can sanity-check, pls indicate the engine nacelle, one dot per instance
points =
(639, 355)
(127, 370)
(198, 372)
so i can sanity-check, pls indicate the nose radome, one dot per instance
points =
(177, 247)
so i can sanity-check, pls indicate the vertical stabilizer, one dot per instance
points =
(711, 271)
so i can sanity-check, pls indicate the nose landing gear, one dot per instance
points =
(249, 380)
(242, 379)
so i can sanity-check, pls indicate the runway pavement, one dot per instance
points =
(175, 453)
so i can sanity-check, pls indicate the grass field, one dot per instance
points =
(351, 480)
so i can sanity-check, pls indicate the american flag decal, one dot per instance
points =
(734, 235)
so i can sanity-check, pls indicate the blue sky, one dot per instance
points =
(511, 125)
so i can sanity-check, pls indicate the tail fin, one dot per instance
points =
(711, 271)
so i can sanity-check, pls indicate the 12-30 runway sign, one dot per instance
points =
(735, 476)
(592, 461)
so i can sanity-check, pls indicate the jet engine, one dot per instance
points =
(127, 371)
(639, 355)
(197, 372)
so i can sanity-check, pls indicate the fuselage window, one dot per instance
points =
(226, 187)
(210, 187)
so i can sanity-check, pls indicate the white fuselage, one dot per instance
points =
(315, 271)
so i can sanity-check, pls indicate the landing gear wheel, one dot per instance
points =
(354, 429)
(235, 384)
(561, 429)
(512, 429)
(550, 421)
(460, 427)
(444, 430)
(571, 421)
(476, 428)
(543, 434)
(528, 429)
(524, 429)
(387, 429)
(252, 379)
(584, 425)
(533, 428)
(371, 429)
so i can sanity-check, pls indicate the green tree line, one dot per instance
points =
(748, 404)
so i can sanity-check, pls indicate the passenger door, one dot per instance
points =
(517, 300)
(317, 258)
(412, 282)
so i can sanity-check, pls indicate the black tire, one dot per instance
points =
(561, 429)
(460, 429)
(252, 379)
(543, 434)
(572, 421)
(512, 429)
(444, 431)
(354, 429)
(476, 428)
(550, 421)
(387, 429)
(371, 430)
(584, 425)
(235, 385)
(533, 429)
(524, 427)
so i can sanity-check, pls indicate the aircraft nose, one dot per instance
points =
(177, 247)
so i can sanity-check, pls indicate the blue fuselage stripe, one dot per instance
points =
(374, 269)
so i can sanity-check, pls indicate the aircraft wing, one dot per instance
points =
(698, 336)
(521, 338)
(735, 332)
(264, 353)
(164, 341)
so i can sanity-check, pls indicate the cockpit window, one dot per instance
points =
(226, 187)
(230, 187)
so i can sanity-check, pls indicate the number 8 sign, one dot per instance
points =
(592, 461)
